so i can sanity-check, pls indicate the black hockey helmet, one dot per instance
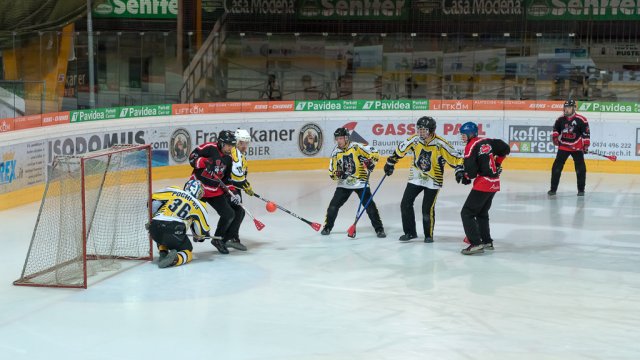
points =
(570, 103)
(427, 122)
(226, 137)
(341, 132)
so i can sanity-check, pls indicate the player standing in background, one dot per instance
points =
(571, 135)
(483, 164)
(239, 177)
(430, 154)
(211, 164)
(351, 164)
(174, 211)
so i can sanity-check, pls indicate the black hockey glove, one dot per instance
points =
(499, 170)
(465, 180)
(459, 174)
(388, 169)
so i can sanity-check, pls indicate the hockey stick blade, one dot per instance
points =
(610, 157)
(351, 232)
(259, 225)
(314, 225)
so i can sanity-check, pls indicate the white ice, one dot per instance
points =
(563, 283)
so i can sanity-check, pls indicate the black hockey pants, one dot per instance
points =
(340, 197)
(558, 165)
(428, 209)
(475, 216)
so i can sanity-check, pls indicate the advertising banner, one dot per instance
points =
(120, 112)
(582, 10)
(614, 107)
(341, 105)
(230, 107)
(458, 105)
(485, 9)
(6, 125)
(354, 9)
(27, 122)
(22, 165)
(137, 9)
(93, 141)
(56, 118)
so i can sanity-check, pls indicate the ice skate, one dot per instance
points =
(407, 237)
(236, 244)
(473, 249)
(169, 260)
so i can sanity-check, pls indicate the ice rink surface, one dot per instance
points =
(563, 283)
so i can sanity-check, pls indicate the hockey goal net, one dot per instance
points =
(93, 213)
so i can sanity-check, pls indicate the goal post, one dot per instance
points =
(92, 214)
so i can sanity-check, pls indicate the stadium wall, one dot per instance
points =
(288, 136)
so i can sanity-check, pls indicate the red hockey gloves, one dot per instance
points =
(556, 142)
(369, 164)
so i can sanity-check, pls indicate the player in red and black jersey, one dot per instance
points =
(571, 135)
(482, 164)
(211, 164)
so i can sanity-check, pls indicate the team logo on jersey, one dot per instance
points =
(423, 161)
(180, 145)
(485, 149)
(310, 139)
(348, 165)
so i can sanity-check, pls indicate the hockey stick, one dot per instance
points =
(351, 232)
(610, 157)
(314, 225)
(259, 225)
(366, 185)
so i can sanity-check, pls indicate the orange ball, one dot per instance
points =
(271, 207)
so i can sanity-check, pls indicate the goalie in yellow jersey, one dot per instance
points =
(350, 165)
(174, 210)
(430, 155)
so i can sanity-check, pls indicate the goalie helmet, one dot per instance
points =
(427, 122)
(226, 137)
(194, 187)
(470, 129)
(341, 132)
(242, 135)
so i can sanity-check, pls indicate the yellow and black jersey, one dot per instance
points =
(429, 159)
(347, 167)
(238, 168)
(174, 204)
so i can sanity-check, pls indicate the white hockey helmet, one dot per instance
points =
(243, 135)
(194, 187)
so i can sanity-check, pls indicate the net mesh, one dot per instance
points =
(116, 191)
